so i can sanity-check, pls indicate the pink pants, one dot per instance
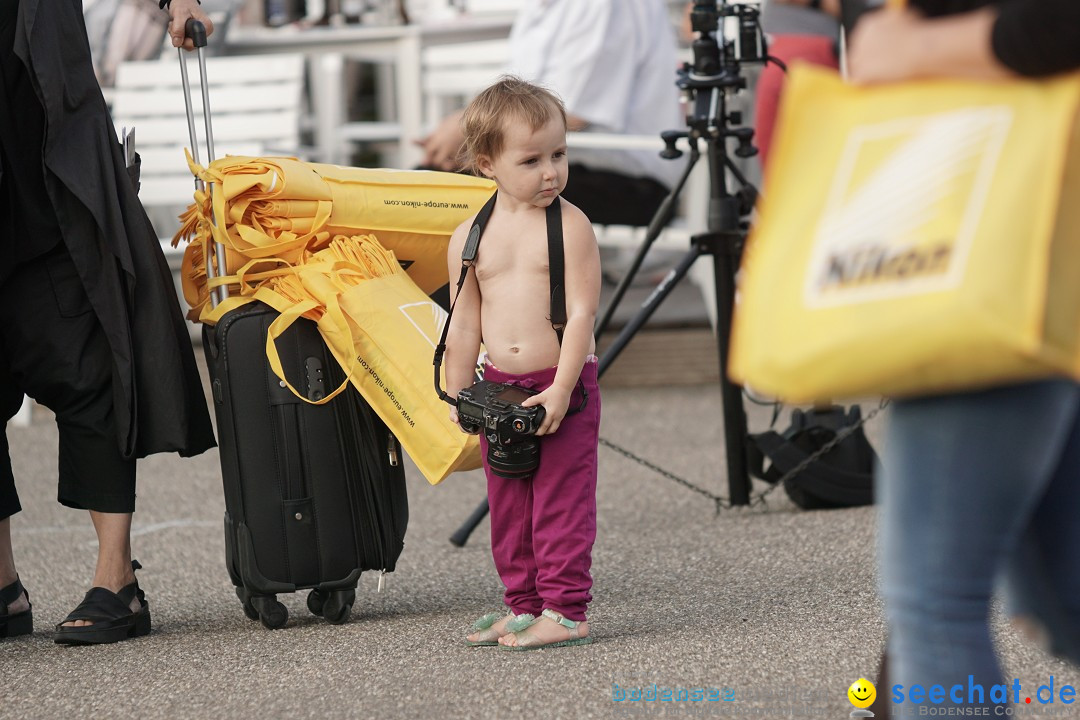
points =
(543, 527)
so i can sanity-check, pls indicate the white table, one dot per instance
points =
(395, 46)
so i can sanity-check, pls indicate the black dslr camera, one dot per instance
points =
(495, 409)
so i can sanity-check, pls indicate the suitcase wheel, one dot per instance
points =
(338, 606)
(272, 613)
(245, 598)
(316, 599)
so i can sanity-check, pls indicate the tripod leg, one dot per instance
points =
(659, 221)
(648, 307)
(725, 258)
(627, 278)
(725, 263)
(461, 535)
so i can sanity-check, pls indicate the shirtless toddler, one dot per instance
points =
(543, 527)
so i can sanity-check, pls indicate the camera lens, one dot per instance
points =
(516, 460)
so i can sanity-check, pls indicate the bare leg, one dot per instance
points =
(7, 557)
(114, 554)
(8, 574)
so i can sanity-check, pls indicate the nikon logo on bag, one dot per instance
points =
(880, 262)
(883, 233)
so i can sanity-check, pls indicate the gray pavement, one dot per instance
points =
(770, 600)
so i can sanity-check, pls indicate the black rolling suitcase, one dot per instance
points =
(314, 494)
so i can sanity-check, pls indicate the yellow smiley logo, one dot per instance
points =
(861, 693)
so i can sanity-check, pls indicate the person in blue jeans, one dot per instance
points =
(976, 487)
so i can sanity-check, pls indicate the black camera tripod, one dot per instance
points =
(714, 73)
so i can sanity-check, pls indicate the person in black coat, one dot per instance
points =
(90, 325)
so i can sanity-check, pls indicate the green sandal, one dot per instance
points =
(571, 625)
(517, 623)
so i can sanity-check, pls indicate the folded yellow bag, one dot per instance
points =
(285, 209)
(914, 238)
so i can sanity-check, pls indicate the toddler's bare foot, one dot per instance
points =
(491, 627)
(551, 630)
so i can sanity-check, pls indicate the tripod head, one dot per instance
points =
(714, 74)
(716, 69)
(747, 46)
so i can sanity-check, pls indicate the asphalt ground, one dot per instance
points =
(776, 604)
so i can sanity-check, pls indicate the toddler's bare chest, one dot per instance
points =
(520, 266)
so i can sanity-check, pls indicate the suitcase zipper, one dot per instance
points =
(370, 485)
(392, 540)
(382, 498)
(391, 449)
(359, 429)
(353, 432)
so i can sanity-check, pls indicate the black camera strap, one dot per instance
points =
(556, 279)
(556, 268)
(468, 258)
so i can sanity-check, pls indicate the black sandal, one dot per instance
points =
(110, 614)
(20, 623)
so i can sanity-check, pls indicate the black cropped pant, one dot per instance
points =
(53, 348)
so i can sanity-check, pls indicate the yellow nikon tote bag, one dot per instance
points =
(914, 238)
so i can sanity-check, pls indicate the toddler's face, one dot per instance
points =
(532, 166)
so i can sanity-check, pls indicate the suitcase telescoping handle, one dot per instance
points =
(197, 32)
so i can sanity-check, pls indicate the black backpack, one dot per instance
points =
(842, 477)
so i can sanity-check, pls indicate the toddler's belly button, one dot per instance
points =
(515, 349)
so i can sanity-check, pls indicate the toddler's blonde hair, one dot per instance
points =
(509, 99)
